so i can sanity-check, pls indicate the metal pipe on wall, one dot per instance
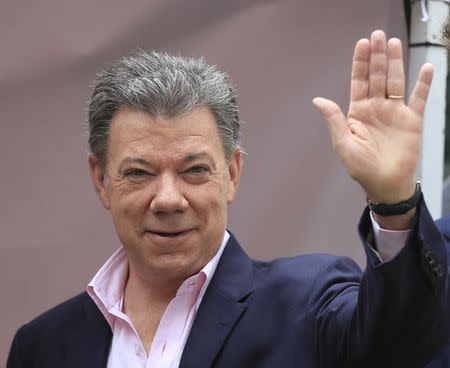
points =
(426, 46)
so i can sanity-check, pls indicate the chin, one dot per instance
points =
(173, 267)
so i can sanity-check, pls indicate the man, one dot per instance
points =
(165, 161)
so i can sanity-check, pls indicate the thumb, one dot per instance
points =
(332, 113)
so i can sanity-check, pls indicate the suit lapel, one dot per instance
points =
(223, 303)
(90, 339)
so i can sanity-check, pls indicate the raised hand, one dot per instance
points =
(379, 141)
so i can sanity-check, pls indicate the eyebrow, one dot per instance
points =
(196, 156)
(134, 160)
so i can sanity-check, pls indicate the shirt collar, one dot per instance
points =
(210, 268)
(106, 287)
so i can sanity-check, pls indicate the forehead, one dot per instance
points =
(135, 133)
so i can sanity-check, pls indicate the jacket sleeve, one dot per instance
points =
(397, 314)
(14, 360)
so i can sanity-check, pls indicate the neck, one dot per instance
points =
(145, 302)
(141, 294)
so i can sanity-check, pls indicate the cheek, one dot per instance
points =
(215, 211)
(210, 200)
(127, 209)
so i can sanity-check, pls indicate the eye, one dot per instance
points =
(136, 175)
(198, 169)
(196, 174)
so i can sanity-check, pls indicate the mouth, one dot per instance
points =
(169, 234)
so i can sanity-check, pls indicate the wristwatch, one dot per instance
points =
(399, 208)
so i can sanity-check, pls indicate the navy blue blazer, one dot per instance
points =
(306, 311)
(443, 359)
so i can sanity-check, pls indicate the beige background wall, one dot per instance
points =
(294, 196)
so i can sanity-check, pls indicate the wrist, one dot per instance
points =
(392, 192)
(398, 222)
(399, 215)
(396, 208)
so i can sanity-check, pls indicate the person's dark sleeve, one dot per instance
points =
(14, 360)
(397, 315)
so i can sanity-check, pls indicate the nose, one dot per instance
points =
(168, 197)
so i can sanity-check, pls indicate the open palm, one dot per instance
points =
(379, 141)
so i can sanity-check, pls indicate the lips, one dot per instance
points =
(169, 234)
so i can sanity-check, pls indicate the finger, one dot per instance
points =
(419, 95)
(377, 65)
(359, 88)
(395, 72)
(331, 112)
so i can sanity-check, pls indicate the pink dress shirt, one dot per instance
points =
(106, 289)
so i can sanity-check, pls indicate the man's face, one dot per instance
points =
(167, 185)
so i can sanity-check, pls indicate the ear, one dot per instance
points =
(234, 169)
(99, 180)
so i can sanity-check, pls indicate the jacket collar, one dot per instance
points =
(90, 338)
(224, 301)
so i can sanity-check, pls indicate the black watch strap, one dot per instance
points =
(399, 208)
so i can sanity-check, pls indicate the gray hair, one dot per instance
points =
(160, 84)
